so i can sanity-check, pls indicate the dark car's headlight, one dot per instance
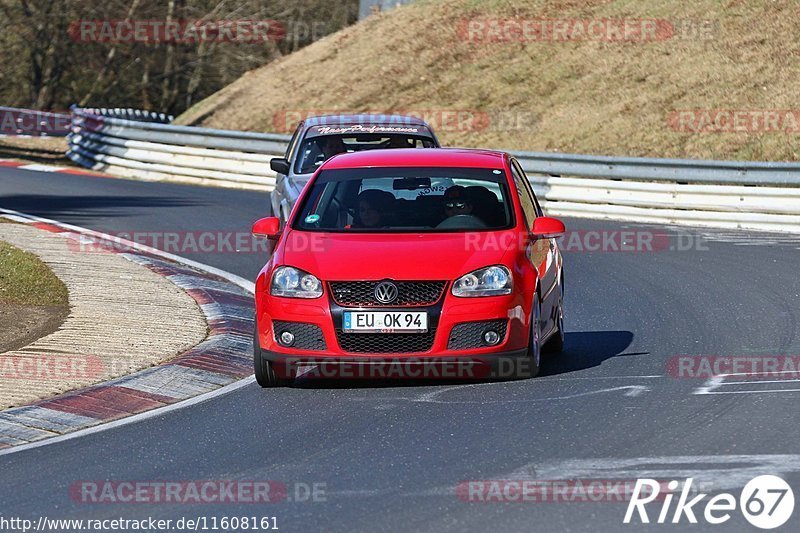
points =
(294, 283)
(489, 281)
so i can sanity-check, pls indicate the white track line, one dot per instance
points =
(133, 418)
(233, 278)
(715, 382)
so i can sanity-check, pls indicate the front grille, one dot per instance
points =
(410, 293)
(306, 336)
(470, 334)
(386, 342)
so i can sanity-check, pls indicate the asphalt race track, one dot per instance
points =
(392, 455)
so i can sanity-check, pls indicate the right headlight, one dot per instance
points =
(292, 282)
(489, 281)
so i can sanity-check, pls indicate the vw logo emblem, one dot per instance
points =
(386, 292)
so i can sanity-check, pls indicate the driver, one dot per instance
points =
(457, 202)
(374, 208)
(397, 141)
(331, 145)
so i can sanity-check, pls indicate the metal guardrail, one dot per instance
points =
(672, 170)
(733, 194)
(29, 122)
(129, 114)
(154, 150)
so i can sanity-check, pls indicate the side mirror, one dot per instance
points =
(279, 165)
(269, 227)
(548, 228)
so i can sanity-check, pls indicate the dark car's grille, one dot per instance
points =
(306, 336)
(386, 342)
(410, 293)
(470, 334)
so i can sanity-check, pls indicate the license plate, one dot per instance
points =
(385, 322)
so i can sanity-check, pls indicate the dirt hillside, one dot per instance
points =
(703, 79)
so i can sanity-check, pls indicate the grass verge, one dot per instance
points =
(26, 280)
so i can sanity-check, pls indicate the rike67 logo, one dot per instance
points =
(766, 502)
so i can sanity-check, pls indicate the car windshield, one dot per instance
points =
(407, 200)
(316, 150)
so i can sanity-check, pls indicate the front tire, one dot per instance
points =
(263, 369)
(534, 360)
(556, 342)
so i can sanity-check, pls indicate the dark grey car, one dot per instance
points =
(318, 138)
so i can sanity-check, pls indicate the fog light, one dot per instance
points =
(287, 338)
(491, 337)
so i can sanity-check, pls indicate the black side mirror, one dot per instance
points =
(279, 165)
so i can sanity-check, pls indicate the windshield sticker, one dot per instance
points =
(360, 128)
(311, 219)
(432, 190)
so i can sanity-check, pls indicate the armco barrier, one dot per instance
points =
(130, 114)
(155, 150)
(730, 194)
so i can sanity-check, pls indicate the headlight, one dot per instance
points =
(294, 283)
(489, 281)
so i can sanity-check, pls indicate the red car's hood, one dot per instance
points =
(428, 256)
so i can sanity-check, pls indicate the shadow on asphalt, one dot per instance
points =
(584, 349)
(64, 208)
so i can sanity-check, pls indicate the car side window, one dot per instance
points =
(528, 207)
(293, 141)
(527, 183)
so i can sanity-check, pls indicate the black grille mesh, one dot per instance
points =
(410, 293)
(306, 336)
(470, 334)
(386, 342)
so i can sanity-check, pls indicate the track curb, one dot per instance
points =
(223, 358)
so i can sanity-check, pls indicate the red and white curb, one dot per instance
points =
(213, 367)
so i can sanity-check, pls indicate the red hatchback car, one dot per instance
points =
(411, 255)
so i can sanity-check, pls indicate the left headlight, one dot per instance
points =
(489, 281)
(292, 282)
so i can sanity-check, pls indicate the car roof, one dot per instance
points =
(417, 157)
(365, 118)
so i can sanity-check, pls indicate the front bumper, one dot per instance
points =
(447, 315)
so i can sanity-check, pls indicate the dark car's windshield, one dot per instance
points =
(407, 199)
(316, 150)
